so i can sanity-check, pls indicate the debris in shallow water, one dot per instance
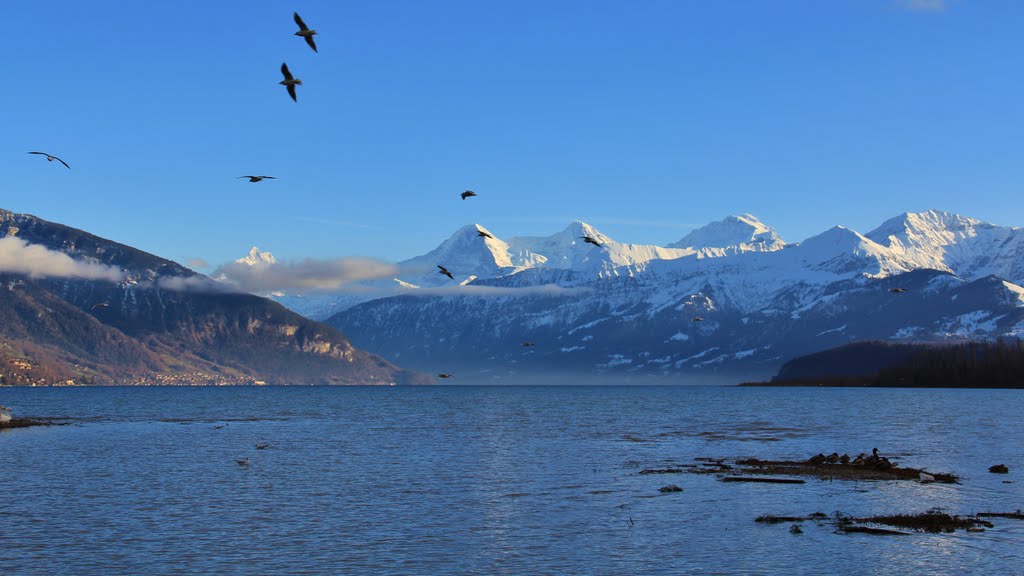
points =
(868, 530)
(796, 529)
(1018, 515)
(763, 480)
(662, 471)
(770, 519)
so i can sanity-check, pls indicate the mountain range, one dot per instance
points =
(730, 300)
(82, 309)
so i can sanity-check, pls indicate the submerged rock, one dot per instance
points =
(999, 469)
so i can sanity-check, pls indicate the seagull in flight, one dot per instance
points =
(51, 158)
(289, 81)
(100, 305)
(262, 446)
(445, 271)
(258, 178)
(444, 375)
(305, 32)
(527, 344)
(698, 318)
(483, 234)
(467, 194)
(590, 240)
(897, 290)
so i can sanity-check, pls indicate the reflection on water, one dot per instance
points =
(489, 480)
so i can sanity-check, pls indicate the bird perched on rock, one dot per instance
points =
(897, 290)
(258, 178)
(832, 458)
(844, 459)
(467, 194)
(873, 459)
(289, 82)
(51, 158)
(483, 234)
(883, 464)
(305, 32)
(590, 240)
(816, 459)
(859, 460)
(445, 271)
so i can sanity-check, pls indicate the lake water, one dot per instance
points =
(490, 480)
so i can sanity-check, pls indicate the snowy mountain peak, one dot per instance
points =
(256, 256)
(742, 233)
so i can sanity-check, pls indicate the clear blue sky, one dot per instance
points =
(643, 118)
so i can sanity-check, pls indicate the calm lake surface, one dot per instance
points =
(491, 480)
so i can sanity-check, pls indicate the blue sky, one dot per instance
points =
(645, 119)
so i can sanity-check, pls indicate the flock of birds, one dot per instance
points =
(873, 461)
(290, 82)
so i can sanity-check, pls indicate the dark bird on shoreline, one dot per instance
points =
(483, 234)
(305, 32)
(873, 459)
(698, 318)
(832, 458)
(445, 271)
(258, 178)
(444, 375)
(51, 158)
(243, 461)
(883, 464)
(262, 446)
(816, 459)
(467, 194)
(897, 290)
(859, 460)
(100, 305)
(590, 240)
(844, 459)
(289, 82)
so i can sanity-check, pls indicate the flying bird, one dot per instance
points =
(445, 271)
(51, 158)
(243, 461)
(305, 32)
(444, 375)
(467, 194)
(289, 81)
(897, 290)
(259, 178)
(483, 234)
(590, 240)
(100, 305)
(528, 344)
(262, 446)
(698, 318)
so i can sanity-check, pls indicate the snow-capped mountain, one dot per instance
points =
(737, 299)
(743, 233)
(256, 257)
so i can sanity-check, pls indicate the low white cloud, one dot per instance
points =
(38, 261)
(302, 276)
(197, 263)
(193, 284)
